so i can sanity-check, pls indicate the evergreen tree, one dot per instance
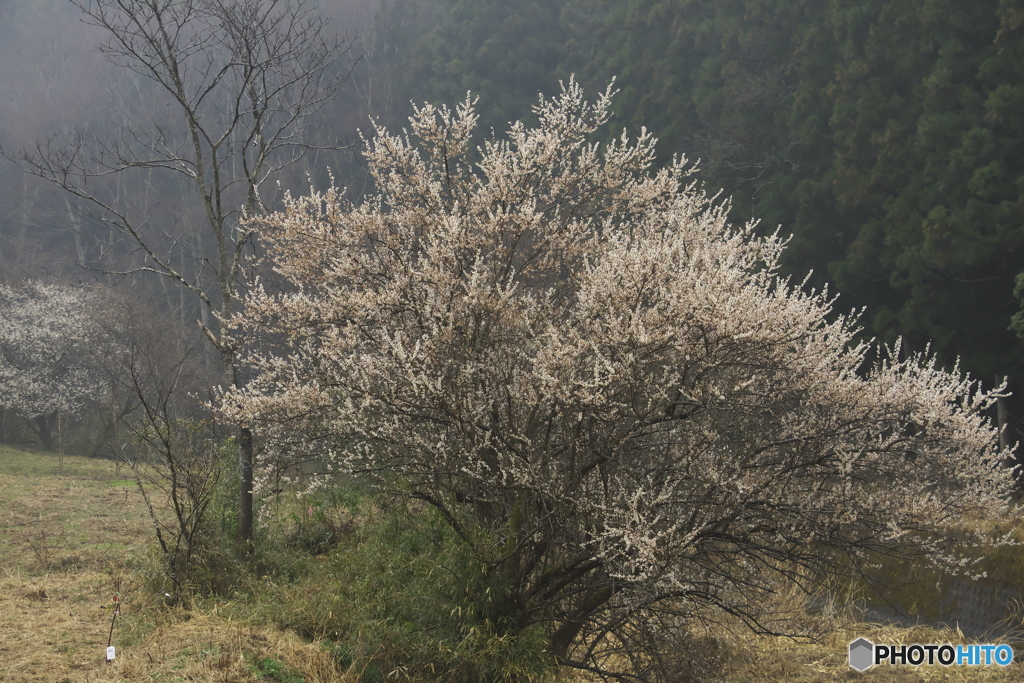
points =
(885, 137)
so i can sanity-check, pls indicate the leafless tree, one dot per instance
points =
(233, 89)
(167, 439)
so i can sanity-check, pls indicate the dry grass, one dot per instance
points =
(71, 531)
(761, 659)
(210, 649)
(67, 526)
(58, 513)
(51, 625)
(52, 631)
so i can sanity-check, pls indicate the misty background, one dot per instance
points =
(887, 138)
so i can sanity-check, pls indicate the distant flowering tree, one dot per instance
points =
(47, 336)
(602, 387)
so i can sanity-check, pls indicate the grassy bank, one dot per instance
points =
(74, 532)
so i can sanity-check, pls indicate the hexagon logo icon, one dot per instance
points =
(862, 654)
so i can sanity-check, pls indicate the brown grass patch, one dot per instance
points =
(55, 628)
(762, 659)
(211, 649)
(69, 530)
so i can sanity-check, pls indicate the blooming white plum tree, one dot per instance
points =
(606, 390)
(46, 334)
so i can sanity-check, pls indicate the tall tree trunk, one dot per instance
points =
(246, 454)
(76, 229)
(245, 467)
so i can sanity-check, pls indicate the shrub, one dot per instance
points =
(606, 392)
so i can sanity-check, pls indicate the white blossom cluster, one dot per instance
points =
(47, 332)
(596, 379)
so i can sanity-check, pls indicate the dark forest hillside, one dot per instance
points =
(887, 138)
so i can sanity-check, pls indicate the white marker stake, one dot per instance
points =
(110, 653)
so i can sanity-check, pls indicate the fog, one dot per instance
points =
(887, 140)
(56, 87)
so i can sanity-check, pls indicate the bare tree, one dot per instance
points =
(173, 448)
(235, 87)
(604, 389)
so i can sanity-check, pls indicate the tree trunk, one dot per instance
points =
(44, 430)
(563, 637)
(246, 453)
(76, 229)
(245, 462)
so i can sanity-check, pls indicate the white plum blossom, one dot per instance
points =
(47, 332)
(605, 388)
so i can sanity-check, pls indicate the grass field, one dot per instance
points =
(74, 532)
